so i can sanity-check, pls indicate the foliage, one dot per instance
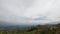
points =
(39, 29)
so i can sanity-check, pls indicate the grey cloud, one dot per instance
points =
(25, 11)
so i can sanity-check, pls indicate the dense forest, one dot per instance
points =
(38, 29)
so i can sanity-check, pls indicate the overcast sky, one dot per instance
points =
(30, 11)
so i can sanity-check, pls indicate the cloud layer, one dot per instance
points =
(30, 11)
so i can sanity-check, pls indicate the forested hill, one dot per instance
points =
(38, 29)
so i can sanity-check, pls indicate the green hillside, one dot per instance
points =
(38, 29)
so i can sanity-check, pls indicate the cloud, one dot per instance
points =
(30, 11)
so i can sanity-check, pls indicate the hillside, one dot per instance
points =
(38, 29)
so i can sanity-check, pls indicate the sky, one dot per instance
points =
(30, 11)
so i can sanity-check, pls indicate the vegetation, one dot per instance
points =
(39, 29)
